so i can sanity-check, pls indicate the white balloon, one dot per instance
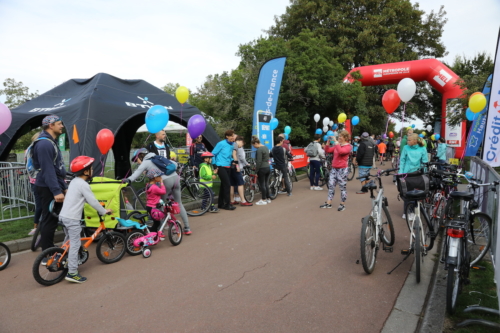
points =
(406, 89)
(316, 117)
(325, 128)
(429, 127)
(326, 121)
(330, 123)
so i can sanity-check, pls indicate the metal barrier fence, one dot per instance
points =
(16, 198)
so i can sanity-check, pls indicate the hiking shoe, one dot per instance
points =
(341, 208)
(317, 188)
(246, 203)
(325, 205)
(31, 232)
(76, 278)
(261, 202)
(187, 231)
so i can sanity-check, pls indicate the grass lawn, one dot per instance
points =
(15, 229)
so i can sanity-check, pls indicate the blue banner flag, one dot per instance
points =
(479, 124)
(266, 99)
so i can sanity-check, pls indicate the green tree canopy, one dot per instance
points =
(16, 93)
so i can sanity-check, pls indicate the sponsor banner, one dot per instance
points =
(385, 72)
(491, 147)
(476, 133)
(266, 99)
(189, 140)
(300, 160)
(453, 135)
(62, 142)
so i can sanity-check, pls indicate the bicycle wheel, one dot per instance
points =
(129, 240)
(54, 272)
(175, 233)
(410, 214)
(322, 177)
(196, 198)
(273, 186)
(437, 214)
(111, 248)
(352, 170)
(452, 288)
(4, 256)
(141, 198)
(387, 227)
(35, 241)
(369, 244)
(481, 226)
(417, 248)
(428, 241)
(293, 175)
(248, 191)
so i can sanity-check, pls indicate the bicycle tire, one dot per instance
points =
(5, 256)
(140, 198)
(42, 273)
(437, 218)
(129, 241)
(198, 197)
(387, 227)
(352, 171)
(428, 229)
(112, 243)
(175, 233)
(273, 186)
(368, 244)
(294, 175)
(417, 250)
(35, 241)
(409, 208)
(452, 288)
(322, 178)
(482, 225)
(248, 192)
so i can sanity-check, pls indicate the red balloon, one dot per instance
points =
(391, 101)
(391, 135)
(105, 139)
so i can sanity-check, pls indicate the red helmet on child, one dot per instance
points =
(80, 164)
(207, 154)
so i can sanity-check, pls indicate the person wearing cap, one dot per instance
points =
(49, 183)
(364, 159)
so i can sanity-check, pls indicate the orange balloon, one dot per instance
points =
(474, 94)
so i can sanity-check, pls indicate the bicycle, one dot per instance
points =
(291, 172)
(110, 249)
(351, 166)
(275, 182)
(4, 256)
(377, 226)
(251, 185)
(324, 173)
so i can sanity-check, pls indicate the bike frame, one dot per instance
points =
(376, 211)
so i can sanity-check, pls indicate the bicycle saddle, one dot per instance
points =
(415, 195)
(131, 224)
(466, 196)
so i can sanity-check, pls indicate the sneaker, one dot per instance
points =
(213, 209)
(261, 202)
(76, 278)
(361, 192)
(237, 199)
(325, 205)
(289, 194)
(404, 216)
(31, 232)
(317, 188)
(161, 235)
(312, 188)
(187, 231)
(281, 192)
(44, 262)
(341, 208)
(246, 203)
(234, 203)
(268, 201)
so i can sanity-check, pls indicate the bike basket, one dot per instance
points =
(412, 181)
(174, 208)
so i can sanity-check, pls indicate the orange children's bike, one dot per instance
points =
(51, 266)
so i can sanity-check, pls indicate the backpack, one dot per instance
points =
(164, 164)
(311, 149)
(28, 158)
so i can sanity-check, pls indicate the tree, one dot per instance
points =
(16, 93)
(170, 88)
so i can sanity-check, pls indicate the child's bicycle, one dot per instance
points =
(138, 242)
(110, 248)
(4, 256)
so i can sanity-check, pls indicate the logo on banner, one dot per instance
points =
(442, 78)
(377, 73)
(55, 107)
(146, 104)
(496, 105)
(380, 72)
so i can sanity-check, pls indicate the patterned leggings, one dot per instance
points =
(338, 176)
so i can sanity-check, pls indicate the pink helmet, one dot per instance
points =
(157, 214)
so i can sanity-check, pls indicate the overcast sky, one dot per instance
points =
(46, 42)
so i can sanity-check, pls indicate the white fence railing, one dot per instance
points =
(16, 198)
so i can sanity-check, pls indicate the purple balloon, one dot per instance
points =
(6, 117)
(384, 136)
(196, 125)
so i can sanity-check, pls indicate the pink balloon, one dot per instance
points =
(6, 117)
(196, 125)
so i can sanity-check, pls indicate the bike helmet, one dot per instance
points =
(137, 154)
(207, 154)
(157, 214)
(80, 164)
(154, 172)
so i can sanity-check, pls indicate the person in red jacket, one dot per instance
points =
(340, 149)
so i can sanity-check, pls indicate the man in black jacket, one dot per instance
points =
(280, 156)
(158, 146)
(364, 159)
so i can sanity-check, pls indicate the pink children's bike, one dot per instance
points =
(139, 240)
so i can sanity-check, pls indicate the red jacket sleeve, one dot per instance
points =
(342, 150)
(330, 149)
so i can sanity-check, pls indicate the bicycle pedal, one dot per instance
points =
(405, 252)
(388, 249)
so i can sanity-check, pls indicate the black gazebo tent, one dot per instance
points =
(102, 101)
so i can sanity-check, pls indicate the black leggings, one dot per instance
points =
(225, 187)
(263, 177)
(156, 223)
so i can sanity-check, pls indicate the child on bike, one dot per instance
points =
(78, 194)
(154, 190)
(207, 176)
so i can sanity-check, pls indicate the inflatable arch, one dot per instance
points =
(434, 72)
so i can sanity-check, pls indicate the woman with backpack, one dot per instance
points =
(315, 154)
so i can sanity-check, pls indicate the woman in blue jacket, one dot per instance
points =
(441, 152)
(413, 155)
(223, 161)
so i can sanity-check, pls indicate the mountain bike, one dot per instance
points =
(4, 256)
(292, 172)
(275, 182)
(324, 172)
(377, 226)
(251, 185)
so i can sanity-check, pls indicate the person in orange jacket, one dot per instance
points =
(382, 148)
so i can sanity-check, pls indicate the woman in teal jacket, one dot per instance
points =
(412, 157)
(441, 152)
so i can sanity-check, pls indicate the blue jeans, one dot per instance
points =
(440, 167)
(314, 172)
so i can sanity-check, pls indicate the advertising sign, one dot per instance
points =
(453, 133)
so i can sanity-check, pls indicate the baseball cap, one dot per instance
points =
(50, 120)
(365, 135)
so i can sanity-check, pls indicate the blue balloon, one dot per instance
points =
(330, 133)
(318, 131)
(355, 120)
(437, 136)
(413, 126)
(421, 135)
(335, 126)
(288, 129)
(325, 137)
(274, 123)
(286, 136)
(471, 115)
(156, 118)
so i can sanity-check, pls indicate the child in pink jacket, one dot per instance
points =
(154, 190)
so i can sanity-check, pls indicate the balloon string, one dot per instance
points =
(387, 125)
(182, 107)
(103, 163)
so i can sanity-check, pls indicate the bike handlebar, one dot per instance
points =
(380, 173)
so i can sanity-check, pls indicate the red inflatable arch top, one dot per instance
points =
(433, 71)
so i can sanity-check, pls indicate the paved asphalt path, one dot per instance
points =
(285, 267)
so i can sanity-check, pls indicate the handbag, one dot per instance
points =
(413, 181)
